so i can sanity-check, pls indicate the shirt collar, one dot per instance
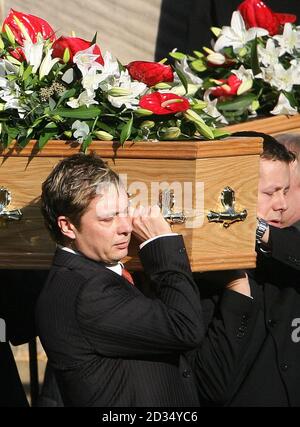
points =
(116, 268)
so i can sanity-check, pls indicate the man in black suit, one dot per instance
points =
(273, 379)
(19, 291)
(108, 344)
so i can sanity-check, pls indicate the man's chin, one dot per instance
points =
(121, 253)
(278, 224)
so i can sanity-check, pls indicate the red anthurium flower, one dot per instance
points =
(150, 73)
(256, 14)
(228, 88)
(164, 103)
(32, 24)
(74, 44)
(18, 53)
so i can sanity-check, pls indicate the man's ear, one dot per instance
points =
(66, 227)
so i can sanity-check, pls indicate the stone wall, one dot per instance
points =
(128, 29)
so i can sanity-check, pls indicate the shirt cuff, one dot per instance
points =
(157, 237)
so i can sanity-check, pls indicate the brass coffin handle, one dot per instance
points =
(5, 199)
(229, 215)
(166, 204)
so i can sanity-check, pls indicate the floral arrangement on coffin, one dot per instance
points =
(253, 68)
(63, 88)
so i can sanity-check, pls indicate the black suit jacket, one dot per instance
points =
(112, 346)
(272, 375)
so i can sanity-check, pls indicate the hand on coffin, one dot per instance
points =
(148, 223)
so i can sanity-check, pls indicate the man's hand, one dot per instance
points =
(148, 223)
(239, 282)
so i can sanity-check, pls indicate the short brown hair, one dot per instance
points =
(273, 150)
(70, 187)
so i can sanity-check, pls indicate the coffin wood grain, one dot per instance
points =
(270, 125)
(232, 162)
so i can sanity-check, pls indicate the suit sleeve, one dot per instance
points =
(286, 245)
(222, 360)
(119, 321)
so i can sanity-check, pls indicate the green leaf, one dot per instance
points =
(67, 94)
(239, 103)
(204, 129)
(86, 143)
(104, 126)
(49, 132)
(12, 133)
(94, 41)
(23, 141)
(220, 133)
(27, 72)
(254, 58)
(77, 113)
(182, 78)
(52, 104)
(126, 131)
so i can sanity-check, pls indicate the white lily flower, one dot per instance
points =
(86, 59)
(280, 78)
(211, 108)
(270, 54)
(7, 67)
(110, 69)
(190, 76)
(83, 99)
(284, 107)
(47, 64)
(81, 130)
(237, 35)
(134, 90)
(33, 53)
(10, 93)
(91, 81)
(289, 40)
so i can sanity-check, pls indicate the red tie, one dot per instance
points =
(127, 276)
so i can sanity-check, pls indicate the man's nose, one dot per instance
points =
(125, 224)
(281, 203)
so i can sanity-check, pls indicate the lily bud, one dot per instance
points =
(10, 35)
(216, 58)
(119, 91)
(245, 86)
(243, 52)
(68, 133)
(170, 133)
(162, 86)
(143, 112)
(201, 127)
(198, 104)
(103, 136)
(1, 43)
(216, 31)
(66, 56)
(254, 105)
(192, 116)
(149, 124)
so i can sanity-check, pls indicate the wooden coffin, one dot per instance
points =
(196, 171)
(270, 125)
